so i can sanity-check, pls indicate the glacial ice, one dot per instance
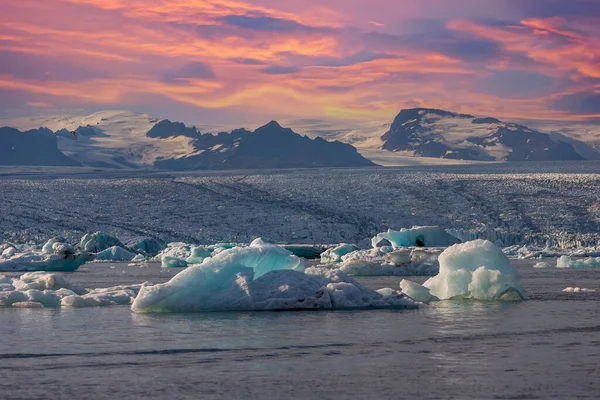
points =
(387, 261)
(429, 236)
(417, 292)
(568, 262)
(42, 289)
(62, 258)
(542, 265)
(146, 246)
(115, 253)
(334, 255)
(179, 255)
(97, 242)
(259, 277)
(476, 270)
(578, 290)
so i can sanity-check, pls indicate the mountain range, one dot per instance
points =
(121, 139)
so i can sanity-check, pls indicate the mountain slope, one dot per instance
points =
(443, 134)
(33, 147)
(269, 146)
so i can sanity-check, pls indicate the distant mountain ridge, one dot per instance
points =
(270, 146)
(437, 133)
(32, 147)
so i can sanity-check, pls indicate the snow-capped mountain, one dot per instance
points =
(34, 147)
(121, 139)
(443, 134)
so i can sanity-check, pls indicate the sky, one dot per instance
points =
(227, 61)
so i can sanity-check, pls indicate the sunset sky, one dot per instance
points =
(228, 61)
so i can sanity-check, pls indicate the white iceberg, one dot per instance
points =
(476, 270)
(41, 289)
(115, 253)
(578, 290)
(542, 265)
(568, 262)
(387, 261)
(179, 255)
(259, 277)
(417, 292)
(421, 236)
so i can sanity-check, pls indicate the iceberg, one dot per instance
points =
(417, 292)
(179, 255)
(335, 254)
(97, 242)
(420, 236)
(41, 289)
(259, 277)
(115, 253)
(476, 270)
(387, 261)
(542, 265)
(62, 258)
(568, 262)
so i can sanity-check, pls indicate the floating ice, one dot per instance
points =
(476, 270)
(542, 265)
(259, 277)
(568, 262)
(40, 289)
(115, 253)
(416, 291)
(385, 261)
(423, 236)
(335, 254)
(63, 258)
(578, 290)
(96, 242)
(179, 255)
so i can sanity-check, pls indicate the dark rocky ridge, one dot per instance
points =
(270, 146)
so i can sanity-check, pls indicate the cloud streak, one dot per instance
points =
(339, 59)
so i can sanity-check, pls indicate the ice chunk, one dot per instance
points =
(476, 270)
(9, 252)
(115, 253)
(197, 255)
(542, 265)
(147, 246)
(416, 291)
(578, 290)
(96, 242)
(422, 236)
(259, 277)
(52, 290)
(335, 254)
(36, 260)
(172, 262)
(568, 262)
(139, 258)
(383, 261)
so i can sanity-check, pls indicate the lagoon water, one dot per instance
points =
(546, 348)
